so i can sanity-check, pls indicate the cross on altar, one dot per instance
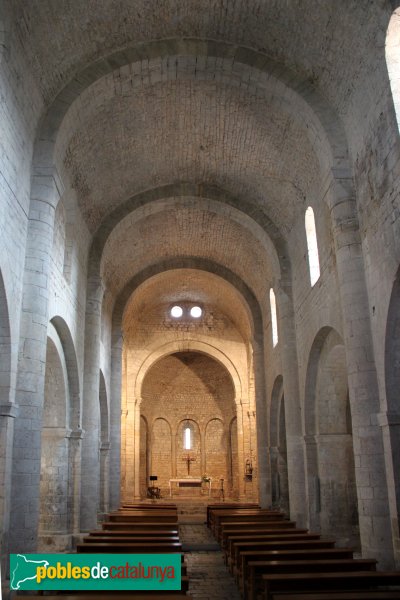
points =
(188, 459)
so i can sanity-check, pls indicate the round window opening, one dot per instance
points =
(176, 312)
(196, 312)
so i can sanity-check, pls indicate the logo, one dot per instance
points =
(95, 572)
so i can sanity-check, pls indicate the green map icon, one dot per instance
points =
(24, 570)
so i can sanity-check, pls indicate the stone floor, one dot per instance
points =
(209, 578)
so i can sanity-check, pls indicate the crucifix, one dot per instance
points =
(188, 459)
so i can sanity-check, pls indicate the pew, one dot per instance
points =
(253, 525)
(139, 595)
(130, 547)
(227, 505)
(142, 516)
(324, 581)
(271, 537)
(106, 539)
(251, 580)
(239, 547)
(228, 533)
(344, 595)
(298, 555)
(216, 517)
(126, 525)
(244, 517)
(136, 531)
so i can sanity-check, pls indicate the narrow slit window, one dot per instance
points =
(187, 438)
(274, 321)
(392, 51)
(312, 246)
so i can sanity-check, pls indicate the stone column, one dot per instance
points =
(373, 507)
(115, 419)
(90, 496)
(136, 452)
(293, 415)
(8, 412)
(104, 478)
(74, 494)
(264, 475)
(32, 364)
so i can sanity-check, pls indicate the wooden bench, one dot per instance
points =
(143, 517)
(228, 533)
(251, 579)
(145, 506)
(228, 505)
(138, 530)
(125, 525)
(111, 539)
(216, 517)
(343, 595)
(244, 518)
(238, 547)
(237, 539)
(322, 581)
(302, 554)
(130, 547)
(150, 595)
(260, 524)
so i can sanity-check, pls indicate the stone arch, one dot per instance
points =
(330, 126)
(73, 376)
(8, 412)
(5, 347)
(392, 384)
(189, 346)
(278, 448)
(4, 31)
(329, 444)
(54, 473)
(256, 319)
(162, 452)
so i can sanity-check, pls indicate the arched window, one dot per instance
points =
(187, 438)
(313, 259)
(274, 321)
(392, 49)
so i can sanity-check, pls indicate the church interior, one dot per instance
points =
(200, 264)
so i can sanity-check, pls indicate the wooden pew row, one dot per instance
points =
(238, 547)
(324, 581)
(216, 517)
(136, 531)
(251, 531)
(130, 547)
(228, 505)
(343, 595)
(126, 525)
(251, 582)
(229, 550)
(111, 539)
(253, 525)
(150, 595)
(303, 555)
(253, 516)
(142, 516)
(153, 506)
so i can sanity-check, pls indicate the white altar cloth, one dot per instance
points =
(189, 481)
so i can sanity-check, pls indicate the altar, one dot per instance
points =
(188, 482)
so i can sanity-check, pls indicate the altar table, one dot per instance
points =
(188, 482)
